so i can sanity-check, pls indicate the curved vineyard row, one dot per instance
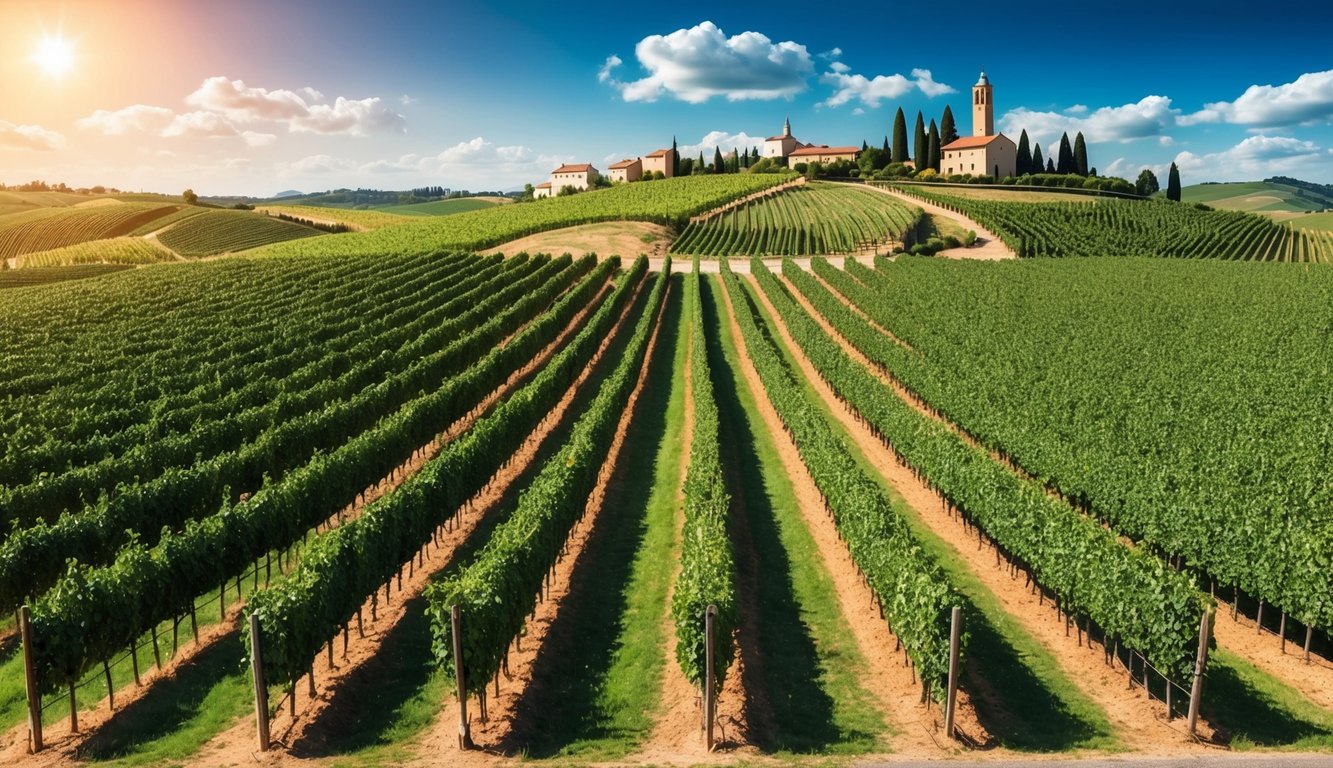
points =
(341, 568)
(809, 219)
(915, 593)
(217, 232)
(117, 250)
(1134, 228)
(49, 228)
(707, 570)
(1128, 593)
(47, 275)
(499, 588)
(1182, 421)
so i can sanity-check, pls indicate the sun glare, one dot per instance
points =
(54, 55)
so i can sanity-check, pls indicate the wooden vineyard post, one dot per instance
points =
(456, 628)
(30, 681)
(710, 685)
(951, 696)
(1200, 662)
(261, 689)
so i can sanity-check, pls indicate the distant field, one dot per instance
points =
(47, 228)
(1313, 221)
(224, 231)
(1014, 195)
(356, 219)
(1254, 196)
(441, 207)
(23, 278)
(118, 250)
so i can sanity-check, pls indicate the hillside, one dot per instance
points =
(222, 231)
(1254, 196)
(56, 227)
(441, 207)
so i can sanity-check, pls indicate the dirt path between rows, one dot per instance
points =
(1314, 680)
(1139, 724)
(65, 746)
(886, 675)
(492, 737)
(741, 265)
(857, 310)
(988, 247)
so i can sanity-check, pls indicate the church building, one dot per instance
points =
(985, 152)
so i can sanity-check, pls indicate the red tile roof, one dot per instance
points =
(808, 150)
(543, 185)
(574, 168)
(623, 164)
(658, 153)
(971, 142)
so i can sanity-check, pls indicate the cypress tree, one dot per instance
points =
(1080, 155)
(1173, 184)
(1037, 161)
(1065, 160)
(1023, 162)
(921, 153)
(899, 137)
(888, 153)
(700, 166)
(933, 147)
(948, 128)
(864, 145)
(675, 158)
(719, 166)
(1050, 165)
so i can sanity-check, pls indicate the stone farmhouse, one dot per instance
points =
(985, 151)
(580, 176)
(788, 148)
(626, 170)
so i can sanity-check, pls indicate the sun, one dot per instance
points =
(55, 55)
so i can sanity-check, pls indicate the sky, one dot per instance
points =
(250, 97)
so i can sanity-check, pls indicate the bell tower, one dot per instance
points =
(983, 107)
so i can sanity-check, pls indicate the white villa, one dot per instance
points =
(985, 152)
(788, 148)
(626, 170)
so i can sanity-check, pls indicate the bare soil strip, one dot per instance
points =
(886, 676)
(988, 247)
(1139, 723)
(61, 744)
(491, 736)
(1264, 650)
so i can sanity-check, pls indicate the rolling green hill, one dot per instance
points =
(1255, 196)
(224, 231)
(441, 207)
(43, 229)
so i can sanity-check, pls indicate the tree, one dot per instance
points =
(1023, 162)
(1080, 155)
(899, 137)
(190, 197)
(528, 192)
(1038, 164)
(1065, 160)
(675, 158)
(686, 166)
(1146, 184)
(1050, 165)
(864, 145)
(933, 147)
(948, 128)
(719, 165)
(920, 152)
(1173, 184)
(887, 151)
(699, 165)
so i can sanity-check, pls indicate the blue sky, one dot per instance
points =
(252, 96)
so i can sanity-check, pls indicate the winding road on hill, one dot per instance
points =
(988, 246)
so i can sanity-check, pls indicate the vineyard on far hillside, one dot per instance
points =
(804, 220)
(671, 202)
(221, 231)
(1135, 228)
(130, 251)
(49, 228)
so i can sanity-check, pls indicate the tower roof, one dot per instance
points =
(982, 80)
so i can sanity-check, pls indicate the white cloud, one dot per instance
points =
(1149, 117)
(1307, 100)
(833, 53)
(1255, 156)
(407, 101)
(140, 118)
(300, 109)
(207, 124)
(696, 64)
(858, 111)
(1077, 109)
(870, 91)
(604, 73)
(839, 67)
(714, 140)
(29, 137)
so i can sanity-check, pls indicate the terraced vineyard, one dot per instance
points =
(1135, 228)
(129, 251)
(404, 502)
(214, 232)
(810, 219)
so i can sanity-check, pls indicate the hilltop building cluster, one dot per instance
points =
(938, 153)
